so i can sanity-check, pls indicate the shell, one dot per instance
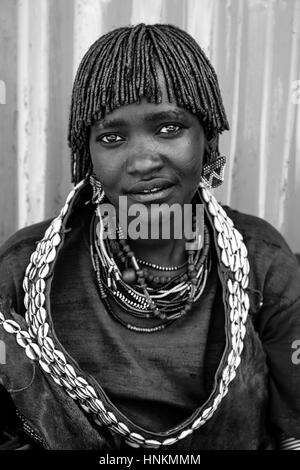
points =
(33, 351)
(11, 326)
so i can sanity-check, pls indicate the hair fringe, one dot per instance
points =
(121, 67)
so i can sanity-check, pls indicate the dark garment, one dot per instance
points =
(158, 380)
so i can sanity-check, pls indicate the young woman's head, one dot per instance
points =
(131, 65)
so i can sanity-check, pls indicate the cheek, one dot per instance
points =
(104, 167)
(191, 159)
(109, 173)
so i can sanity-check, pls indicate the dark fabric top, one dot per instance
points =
(159, 379)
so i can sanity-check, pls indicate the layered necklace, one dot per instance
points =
(138, 293)
(41, 345)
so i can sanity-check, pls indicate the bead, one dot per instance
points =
(129, 276)
(192, 274)
(160, 268)
(114, 246)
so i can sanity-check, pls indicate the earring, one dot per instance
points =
(98, 192)
(213, 172)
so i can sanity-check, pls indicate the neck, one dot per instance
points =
(161, 252)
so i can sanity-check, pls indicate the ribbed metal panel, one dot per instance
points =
(254, 46)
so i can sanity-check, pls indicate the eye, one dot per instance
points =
(170, 129)
(109, 139)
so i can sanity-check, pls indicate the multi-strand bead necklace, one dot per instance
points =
(137, 292)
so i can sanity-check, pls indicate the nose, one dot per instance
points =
(143, 159)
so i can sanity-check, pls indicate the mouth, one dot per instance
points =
(152, 190)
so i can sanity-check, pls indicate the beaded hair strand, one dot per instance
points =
(121, 67)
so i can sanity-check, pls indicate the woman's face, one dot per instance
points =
(151, 153)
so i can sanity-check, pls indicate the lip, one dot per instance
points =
(142, 187)
(151, 197)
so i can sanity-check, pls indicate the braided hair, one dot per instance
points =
(121, 68)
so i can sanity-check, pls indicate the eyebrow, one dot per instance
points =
(149, 117)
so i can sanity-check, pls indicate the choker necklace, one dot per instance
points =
(40, 344)
(161, 268)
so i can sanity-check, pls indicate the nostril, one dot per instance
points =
(144, 164)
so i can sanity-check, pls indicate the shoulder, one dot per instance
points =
(257, 230)
(24, 239)
(274, 269)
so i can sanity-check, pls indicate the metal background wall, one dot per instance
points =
(254, 46)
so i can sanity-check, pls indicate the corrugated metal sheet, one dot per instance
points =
(254, 46)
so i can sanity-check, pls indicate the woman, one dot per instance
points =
(166, 342)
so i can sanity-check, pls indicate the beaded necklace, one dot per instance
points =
(161, 268)
(41, 345)
(141, 301)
